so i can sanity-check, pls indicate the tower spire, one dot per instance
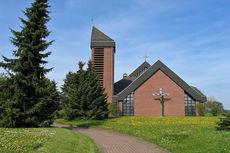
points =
(99, 39)
(103, 49)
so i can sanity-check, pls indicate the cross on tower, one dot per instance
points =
(162, 99)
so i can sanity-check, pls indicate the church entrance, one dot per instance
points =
(128, 105)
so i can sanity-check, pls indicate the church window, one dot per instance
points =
(190, 105)
(128, 105)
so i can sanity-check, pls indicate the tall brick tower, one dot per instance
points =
(103, 49)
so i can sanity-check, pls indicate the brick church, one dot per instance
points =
(134, 92)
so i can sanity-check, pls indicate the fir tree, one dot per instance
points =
(6, 91)
(34, 98)
(83, 96)
(71, 93)
(96, 99)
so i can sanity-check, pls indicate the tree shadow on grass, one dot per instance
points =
(92, 124)
(86, 123)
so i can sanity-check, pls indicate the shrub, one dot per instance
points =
(224, 123)
(113, 109)
(214, 107)
(201, 109)
(208, 115)
(226, 112)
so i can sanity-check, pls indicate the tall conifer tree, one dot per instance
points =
(83, 96)
(72, 93)
(96, 99)
(35, 99)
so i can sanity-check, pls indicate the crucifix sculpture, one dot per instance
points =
(162, 100)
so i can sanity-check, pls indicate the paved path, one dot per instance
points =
(113, 142)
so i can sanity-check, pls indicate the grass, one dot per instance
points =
(176, 134)
(44, 140)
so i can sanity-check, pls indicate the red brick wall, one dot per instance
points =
(109, 72)
(108, 76)
(146, 105)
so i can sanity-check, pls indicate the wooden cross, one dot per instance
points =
(162, 100)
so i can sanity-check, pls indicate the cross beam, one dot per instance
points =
(162, 99)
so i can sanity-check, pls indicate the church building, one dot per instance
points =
(150, 90)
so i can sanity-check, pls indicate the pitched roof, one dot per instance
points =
(198, 91)
(99, 39)
(141, 67)
(123, 83)
(147, 74)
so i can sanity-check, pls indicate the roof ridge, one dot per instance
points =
(147, 74)
(198, 91)
(145, 63)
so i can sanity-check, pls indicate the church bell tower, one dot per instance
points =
(103, 49)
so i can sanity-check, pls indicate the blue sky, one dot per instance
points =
(190, 37)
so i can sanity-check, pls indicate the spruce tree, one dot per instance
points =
(6, 91)
(72, 93)
(83, 96)
(96, 99)
(35, 99)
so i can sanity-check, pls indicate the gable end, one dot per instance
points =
(173, 76)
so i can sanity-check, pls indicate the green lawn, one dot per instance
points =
(44, 140)
(176, 134)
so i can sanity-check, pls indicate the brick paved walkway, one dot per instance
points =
(113, 142)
